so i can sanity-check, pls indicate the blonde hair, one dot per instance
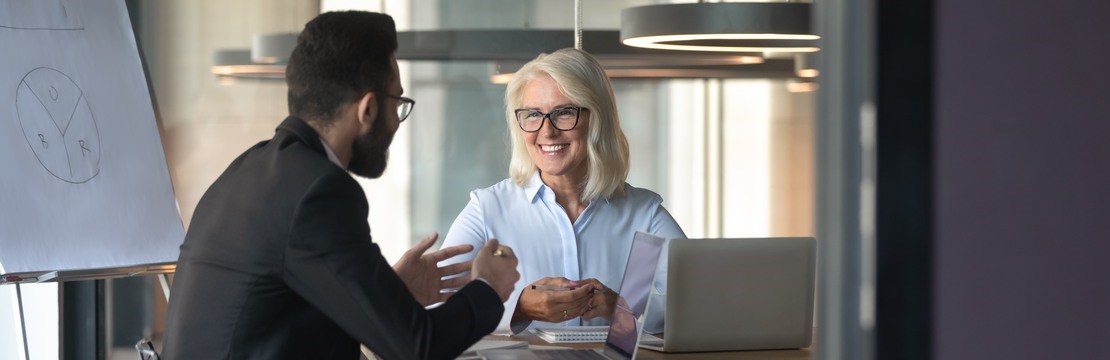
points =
(582, 80)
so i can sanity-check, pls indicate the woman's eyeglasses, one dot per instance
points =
(564, 118)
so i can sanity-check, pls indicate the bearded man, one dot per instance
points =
(278, 262)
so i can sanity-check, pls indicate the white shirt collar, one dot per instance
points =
(331, 154)
(536, 186)
(532, 191)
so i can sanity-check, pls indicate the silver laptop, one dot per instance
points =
(738, 294)
(627, 318)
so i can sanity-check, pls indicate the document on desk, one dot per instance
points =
(572, 334)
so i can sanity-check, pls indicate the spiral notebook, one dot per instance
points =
(572, 334)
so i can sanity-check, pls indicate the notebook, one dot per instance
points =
(572, 334)
(628, 314)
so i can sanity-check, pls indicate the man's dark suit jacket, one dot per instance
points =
(278, 264)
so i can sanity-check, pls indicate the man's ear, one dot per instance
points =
(367, 111)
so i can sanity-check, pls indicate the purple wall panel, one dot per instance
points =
(1022, 252)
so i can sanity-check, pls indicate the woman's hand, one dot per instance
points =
(601, 305)
(552, 302)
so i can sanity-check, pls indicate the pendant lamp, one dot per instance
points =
(720, 27)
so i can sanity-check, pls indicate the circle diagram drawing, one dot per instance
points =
(59, 125)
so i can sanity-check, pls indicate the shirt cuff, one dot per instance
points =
(519, 326)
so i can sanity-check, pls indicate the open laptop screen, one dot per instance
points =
(639, 274)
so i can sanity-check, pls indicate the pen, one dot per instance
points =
(559, 288)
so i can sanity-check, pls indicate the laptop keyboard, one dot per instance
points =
(580, 354)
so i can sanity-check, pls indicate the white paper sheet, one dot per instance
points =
(83, 178)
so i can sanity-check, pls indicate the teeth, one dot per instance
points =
(550, 148)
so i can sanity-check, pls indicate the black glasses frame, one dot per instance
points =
(547, 116)
(402, 101)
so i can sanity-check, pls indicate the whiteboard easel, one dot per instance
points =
(85, 191)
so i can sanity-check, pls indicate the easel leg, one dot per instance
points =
(22, 321)
(165, 286)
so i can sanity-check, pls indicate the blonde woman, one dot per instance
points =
(566, 209)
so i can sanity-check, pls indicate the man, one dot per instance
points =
(278, 261)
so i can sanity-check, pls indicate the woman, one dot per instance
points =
(566, 209)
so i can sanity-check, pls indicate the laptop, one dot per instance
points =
(738, 294)
(627, 318)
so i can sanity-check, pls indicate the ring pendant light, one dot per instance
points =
(720, 27)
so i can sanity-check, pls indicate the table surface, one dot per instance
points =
(795, 354)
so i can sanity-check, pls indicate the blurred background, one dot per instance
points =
(730, 156)
(977, 232)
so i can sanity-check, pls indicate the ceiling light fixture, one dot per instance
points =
(236, 63)
(708, 72)
(798, 87)
(273, 48)
(720, 27)
(502, 72)
(805, 66)
(269, 54)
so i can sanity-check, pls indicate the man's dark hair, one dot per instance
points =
(339, 57)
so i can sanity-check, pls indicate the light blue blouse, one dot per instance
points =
(596, 245)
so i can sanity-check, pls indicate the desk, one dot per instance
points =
(796, 354)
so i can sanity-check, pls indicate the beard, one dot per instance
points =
(371, 151)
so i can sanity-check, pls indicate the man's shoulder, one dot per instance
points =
(267, 182)
(289, 162)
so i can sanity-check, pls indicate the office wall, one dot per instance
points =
(792, 164)
(208, 124)
(1022, 201)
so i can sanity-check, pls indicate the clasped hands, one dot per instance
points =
(558, 299)
(425, 279)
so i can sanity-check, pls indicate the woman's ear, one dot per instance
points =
(367, 111)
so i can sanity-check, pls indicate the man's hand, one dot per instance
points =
(602, 302)
(551, 305)
(423, 278)
(497, 265)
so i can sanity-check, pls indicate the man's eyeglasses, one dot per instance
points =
(564, 118)
(404, 105)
